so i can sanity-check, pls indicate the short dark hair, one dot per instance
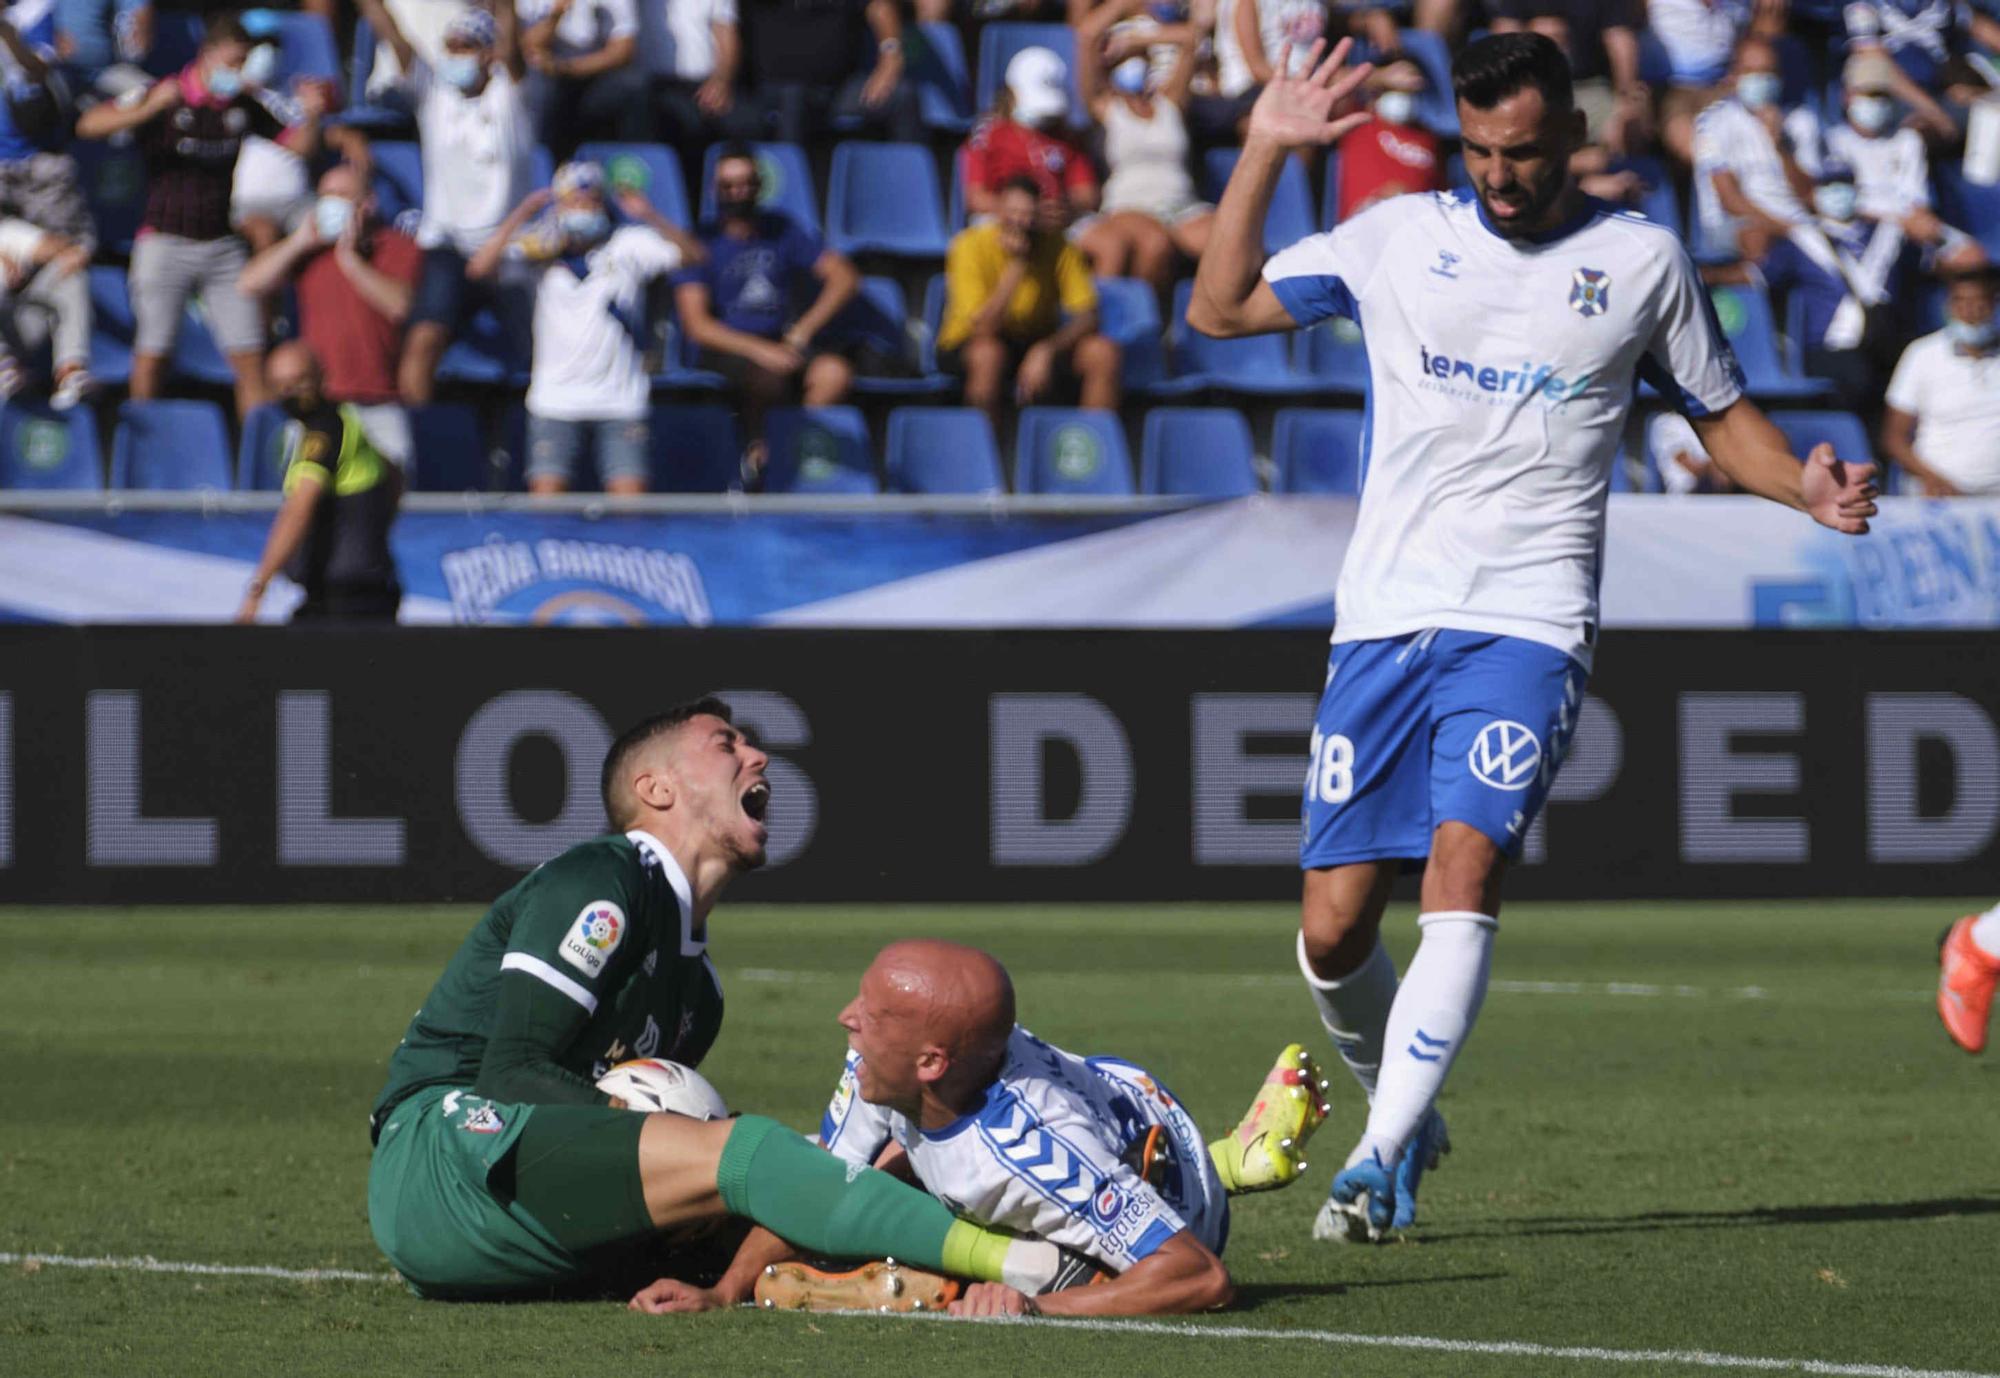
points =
(223, 26)
(737, 148)
(636, 737)
(1021, 181)
(1487, 72)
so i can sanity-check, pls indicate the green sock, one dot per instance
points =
(824, 1204)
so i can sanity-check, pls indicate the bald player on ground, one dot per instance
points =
(1092, 1154)
(500, 1170)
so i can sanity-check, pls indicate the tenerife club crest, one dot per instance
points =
(1589, 292)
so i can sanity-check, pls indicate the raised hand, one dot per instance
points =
(1838, 494)
(1297, 112)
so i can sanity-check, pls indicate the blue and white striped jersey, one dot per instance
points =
(1047, 1154)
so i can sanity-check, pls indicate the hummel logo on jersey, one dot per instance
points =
(1506, 755)
(1523, 381)
(1447, 264)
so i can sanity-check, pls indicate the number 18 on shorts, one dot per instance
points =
(1437, 725)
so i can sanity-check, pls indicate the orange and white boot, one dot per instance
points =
(1967, 975)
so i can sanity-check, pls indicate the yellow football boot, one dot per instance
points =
(1267, 1150)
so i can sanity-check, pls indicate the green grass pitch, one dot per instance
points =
(1729, 1128)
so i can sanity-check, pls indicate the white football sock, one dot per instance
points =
(1986, 932)
(1355, 1010)
(1428, 1025)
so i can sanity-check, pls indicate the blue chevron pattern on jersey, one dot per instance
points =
(1037, 1155)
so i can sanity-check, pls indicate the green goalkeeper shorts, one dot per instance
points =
(446, 1208)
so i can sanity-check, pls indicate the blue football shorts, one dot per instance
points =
(1437, 725)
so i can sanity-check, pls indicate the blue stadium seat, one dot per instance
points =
(480, 354)
(1318, 451)
(944, 84)
(696, 449)
(1745, 316)
(1073, 452)
(196, 355)
(43, 448)
(1290, 217)
(170, 446)
(1659, 204)
(880, 317)
(448, 451)
(818, 450)
(999, 42)
(399, 177)
(1334, 356)
(1972, 208)
(1128, 313)
(1256, 364)
(1806, 429)
(1437, 111)
(113, 179)
(1197, 452)
(176, 40)
(883, 198)
(943, 450)
(954, 195)
(305, 49)
(260, 455)
(660, 168)
(788, 184)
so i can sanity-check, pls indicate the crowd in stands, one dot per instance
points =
(812, 244)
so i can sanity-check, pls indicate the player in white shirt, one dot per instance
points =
(477, 137)
(588, 387)
(1942, 420)
(1505, 329)
(1092, 1155)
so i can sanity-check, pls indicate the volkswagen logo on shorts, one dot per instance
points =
(1506, 755)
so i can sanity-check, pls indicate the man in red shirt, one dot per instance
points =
(355, 279)
(1025, 137)
(1391, 154)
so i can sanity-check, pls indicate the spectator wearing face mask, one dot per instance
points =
(355, 278)
(1150, 211)
(1892, 174)
(1942, 422)
(1392, 154)
(1749, 185)
(478, 141)
(1699, 37)
(189, 129)
(1026, 136)
(331, 534)
(588, 391)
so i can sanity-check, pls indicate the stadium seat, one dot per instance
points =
(655, 166)
(1073, 452)
(170, 446)
(788, 184)
(954, 195)
(1260, 365)
(176, 40)
(879, 319)
(1291, 215)
(1128, 313)
(399, 178)
(1329, 194)
(821, 450)
(943, 450)
(883, 198)
(196, 355)
(1745, 316)
(933, 319)
(260, 455)
(1969, 207)
(1335, 357)
(448, 451)
(480, 354)
(46, 449)
(305, 48)
(696, 449)
(113, 179)
(997, 45)
(1806, 429)
(359, 110)
(1197, 452)
(1659, 203)
(1318, 451)
(936, 56)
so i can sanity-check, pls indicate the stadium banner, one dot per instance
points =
(333, 764)
(1255, 562)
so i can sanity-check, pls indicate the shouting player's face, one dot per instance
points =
(1517, 155)
(721, 783)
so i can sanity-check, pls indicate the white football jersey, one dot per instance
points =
(1500, 377)
(1046, 1155)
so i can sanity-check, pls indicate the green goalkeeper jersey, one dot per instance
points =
(592, 959)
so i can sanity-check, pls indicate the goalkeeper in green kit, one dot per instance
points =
(500, 1170)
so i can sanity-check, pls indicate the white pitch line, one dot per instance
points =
(149, 1264)
(1693, 1358)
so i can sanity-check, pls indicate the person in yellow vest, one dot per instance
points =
(331, 534)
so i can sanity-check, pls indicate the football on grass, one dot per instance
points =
(653, 1083)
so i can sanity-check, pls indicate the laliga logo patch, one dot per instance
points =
(1589, 292)
(1505, 755)
(594, 937)
(1107, 1205)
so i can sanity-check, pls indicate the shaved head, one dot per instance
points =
(930, 1015)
